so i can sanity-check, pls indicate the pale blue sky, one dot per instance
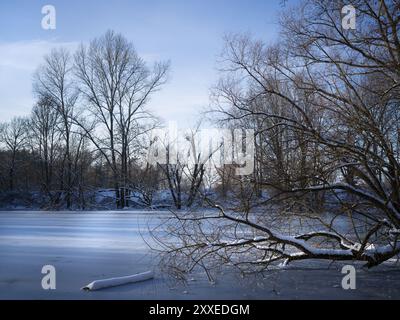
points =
(186, 32)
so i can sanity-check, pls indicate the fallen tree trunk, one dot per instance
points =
(113, 282)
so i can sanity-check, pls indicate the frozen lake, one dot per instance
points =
(93, 245)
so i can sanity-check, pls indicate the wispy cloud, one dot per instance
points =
(18, 61)
(27, 55)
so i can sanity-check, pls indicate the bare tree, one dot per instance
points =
(116, 84)
(54, 80)
(44, 141)
(340, 89)
(14, 136)
(185, 167)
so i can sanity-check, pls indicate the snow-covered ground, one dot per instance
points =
(84, 247)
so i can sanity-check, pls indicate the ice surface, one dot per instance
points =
(85, 247)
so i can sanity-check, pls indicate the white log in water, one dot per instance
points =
(112, 282)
